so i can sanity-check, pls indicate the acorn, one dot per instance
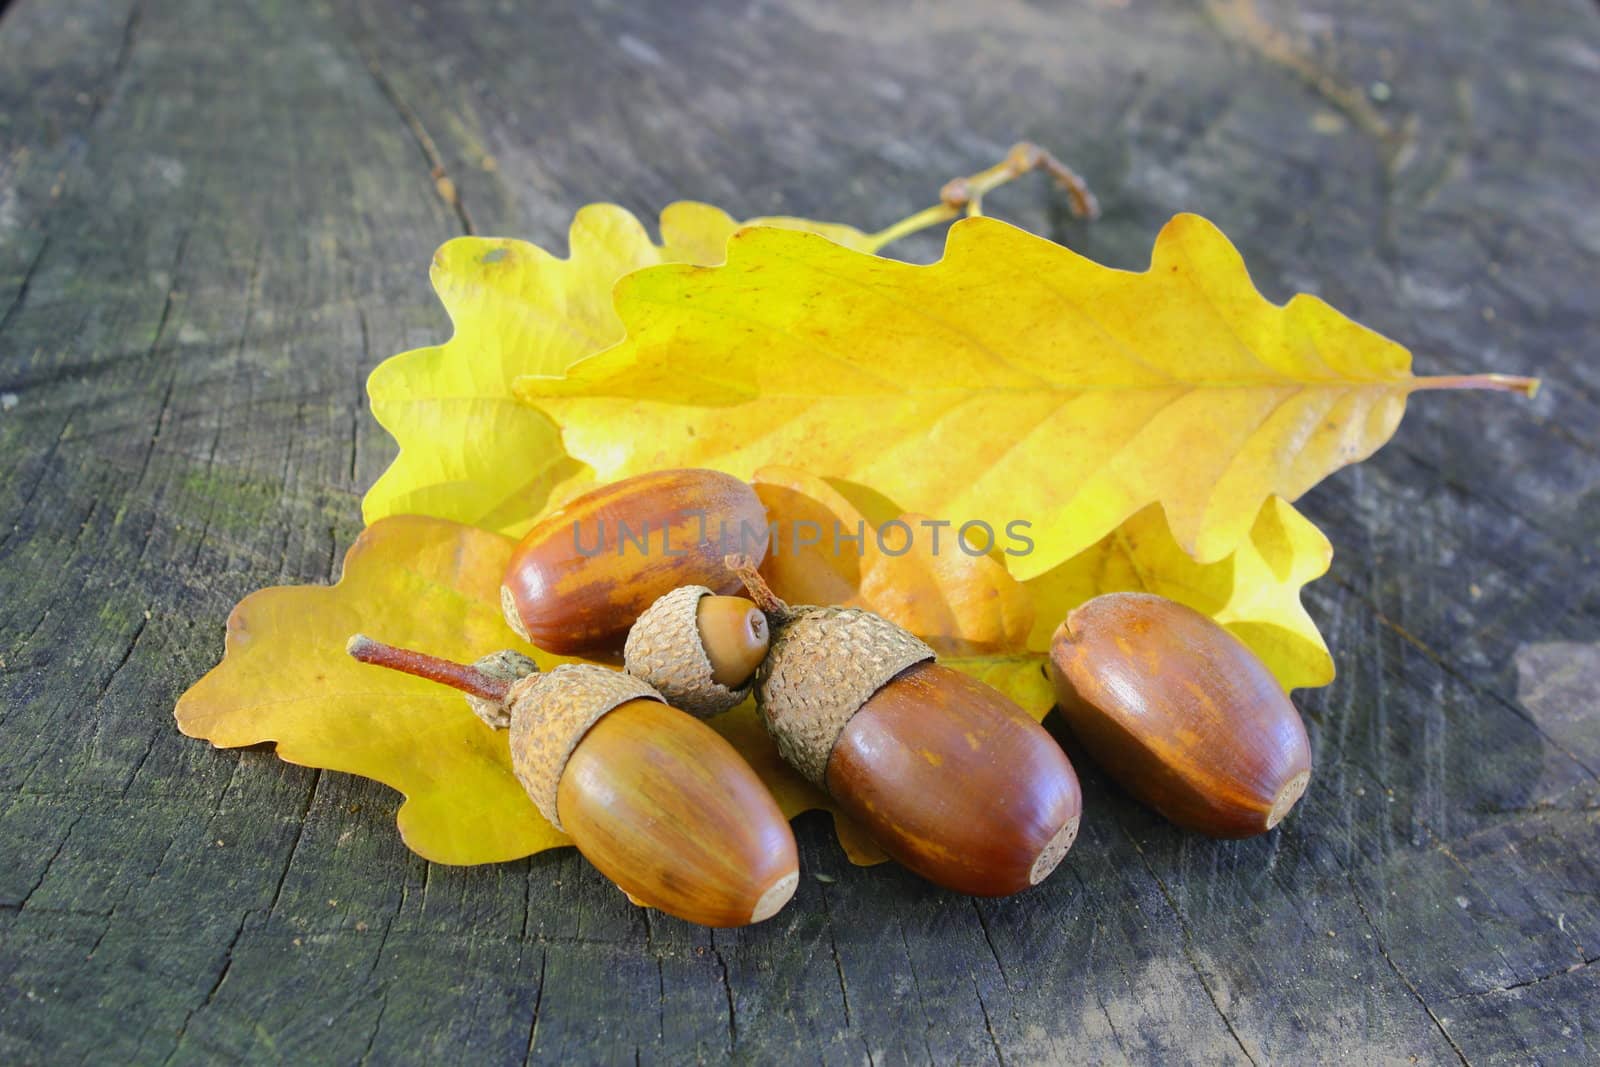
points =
(698, 649)
(1180, 713)
(578, 580)
(654, 798)
(949, 776)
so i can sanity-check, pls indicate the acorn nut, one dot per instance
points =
(947, 775)
(581, 576)
(698, 649)
(654, 798)
(1180, 713)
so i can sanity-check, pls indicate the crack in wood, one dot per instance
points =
(988, 1024)
(119, 64)
(916, 987)
(1557, 542)
(661, 1001)
(22, 289)
(144, 758)
(983, 924)
(1486, 892)
(538, 1000)
(150, 353)
(1514, 986)
(1405, 980)
(833, 945)
(1188, 941)
(1100, 1001)
(45, 464)
(377, 1025)
(358, 408)
(49, 863)
(727, 988)
(1457, 675)
(222, 976)
(443, 185)
(294, 845)
(127, 653)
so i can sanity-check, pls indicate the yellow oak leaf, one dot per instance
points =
(1011, 380)
(1254, 593)
(742, 727)
(420, 582)
(916, 574)
(967, 607)
(468, 450)
(432, 585)
(1019, 675)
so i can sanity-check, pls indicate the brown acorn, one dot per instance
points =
(577, 581)
(1180, 713)
(950, 777)
(657, 800)
(698, 649)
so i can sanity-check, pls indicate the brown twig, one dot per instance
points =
(966, 194)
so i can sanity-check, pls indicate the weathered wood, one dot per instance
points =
(216, 218)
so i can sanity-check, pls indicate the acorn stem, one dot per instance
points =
(460, 676)
(965, 195)
(757, 586)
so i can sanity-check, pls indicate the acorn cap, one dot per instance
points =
(664, 649)
(823, 665)
(507, 665)
(551, 712)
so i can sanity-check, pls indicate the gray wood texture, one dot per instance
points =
(215, 218)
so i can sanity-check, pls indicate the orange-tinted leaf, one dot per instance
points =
(973, 613)
(916, 574)
(742, 727)
(419, 582)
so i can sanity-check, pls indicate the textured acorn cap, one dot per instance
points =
(550, 713)
(507, 665)
(664, 649)
(823, 665)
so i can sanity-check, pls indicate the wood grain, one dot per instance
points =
(216, 218)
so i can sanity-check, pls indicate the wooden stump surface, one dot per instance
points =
(216, 218)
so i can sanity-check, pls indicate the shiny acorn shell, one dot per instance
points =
(957, 783)
(662, 804)
(946, 774)
(578, 580)
(654, 798)
(666, 808)
(823, 665)
(550, 713)
(1180, 713)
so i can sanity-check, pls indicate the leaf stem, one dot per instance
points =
(922, 220)
(966, 194)
(1504, 383)
(460, 676)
